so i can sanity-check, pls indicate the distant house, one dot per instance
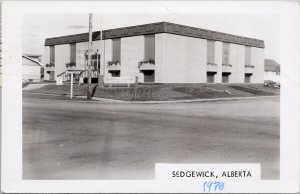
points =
(272, 70)
(32, 68)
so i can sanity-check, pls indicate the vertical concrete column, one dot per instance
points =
(132, 52)
(107, 55)
(257, 60)
(159, 57)
(241, 60)
(102, 58)
(62, 56)
(232, 61)
(237, 60)
(203, 62)
(46, 60)
(218, 61)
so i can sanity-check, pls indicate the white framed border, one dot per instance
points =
(11, 169)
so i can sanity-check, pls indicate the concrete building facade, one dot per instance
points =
(163, 53)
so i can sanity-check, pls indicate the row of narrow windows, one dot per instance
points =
(149, 48)
(149, 51)
(225, 53)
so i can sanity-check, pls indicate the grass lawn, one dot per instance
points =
(164, 91)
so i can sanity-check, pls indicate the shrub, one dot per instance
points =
(150, 61)
(51, 64)
(110, 63)
(70, 64)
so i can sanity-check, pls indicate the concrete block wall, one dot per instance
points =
(184, 59)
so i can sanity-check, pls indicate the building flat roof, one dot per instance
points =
(83, 37)
(171, 28)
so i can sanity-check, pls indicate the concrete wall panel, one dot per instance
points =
(132, 52)
(159, 57)
(257, 60)
(237, 60)
(184, 59)
(62, 56)
(107, 54)
(218, 61)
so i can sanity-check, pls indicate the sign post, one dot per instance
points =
(71, 91)
(59, 82)
(89, 96)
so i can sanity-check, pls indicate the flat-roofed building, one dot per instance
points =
(163, 53)
(272, 70)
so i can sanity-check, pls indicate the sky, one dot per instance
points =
(38, 27)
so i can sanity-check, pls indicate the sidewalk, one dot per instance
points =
(106, 100)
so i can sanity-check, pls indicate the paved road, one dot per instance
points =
(72, 140)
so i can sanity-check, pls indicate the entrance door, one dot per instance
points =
(149, 76)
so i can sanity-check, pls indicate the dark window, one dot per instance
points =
(225, 77)
(115, 73)
(51, 75)
(210, 51)
(248, 77)
(210, 77)
(149, 76)
(116, 49)
(149, 47)
(225, 56)
(96, 61)
(52, 54)
(73, 53)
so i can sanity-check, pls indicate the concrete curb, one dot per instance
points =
(112, 101)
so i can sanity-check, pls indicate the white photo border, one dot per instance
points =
(11, 172)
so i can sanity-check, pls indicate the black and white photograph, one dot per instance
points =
(112, 95)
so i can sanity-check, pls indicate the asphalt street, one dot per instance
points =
(73, 140)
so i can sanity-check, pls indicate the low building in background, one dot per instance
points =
(160, 53)
(272, 70)
(32, 69)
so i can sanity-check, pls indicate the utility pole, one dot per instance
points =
(89, 96)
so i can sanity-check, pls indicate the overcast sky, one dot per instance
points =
(37, 27)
